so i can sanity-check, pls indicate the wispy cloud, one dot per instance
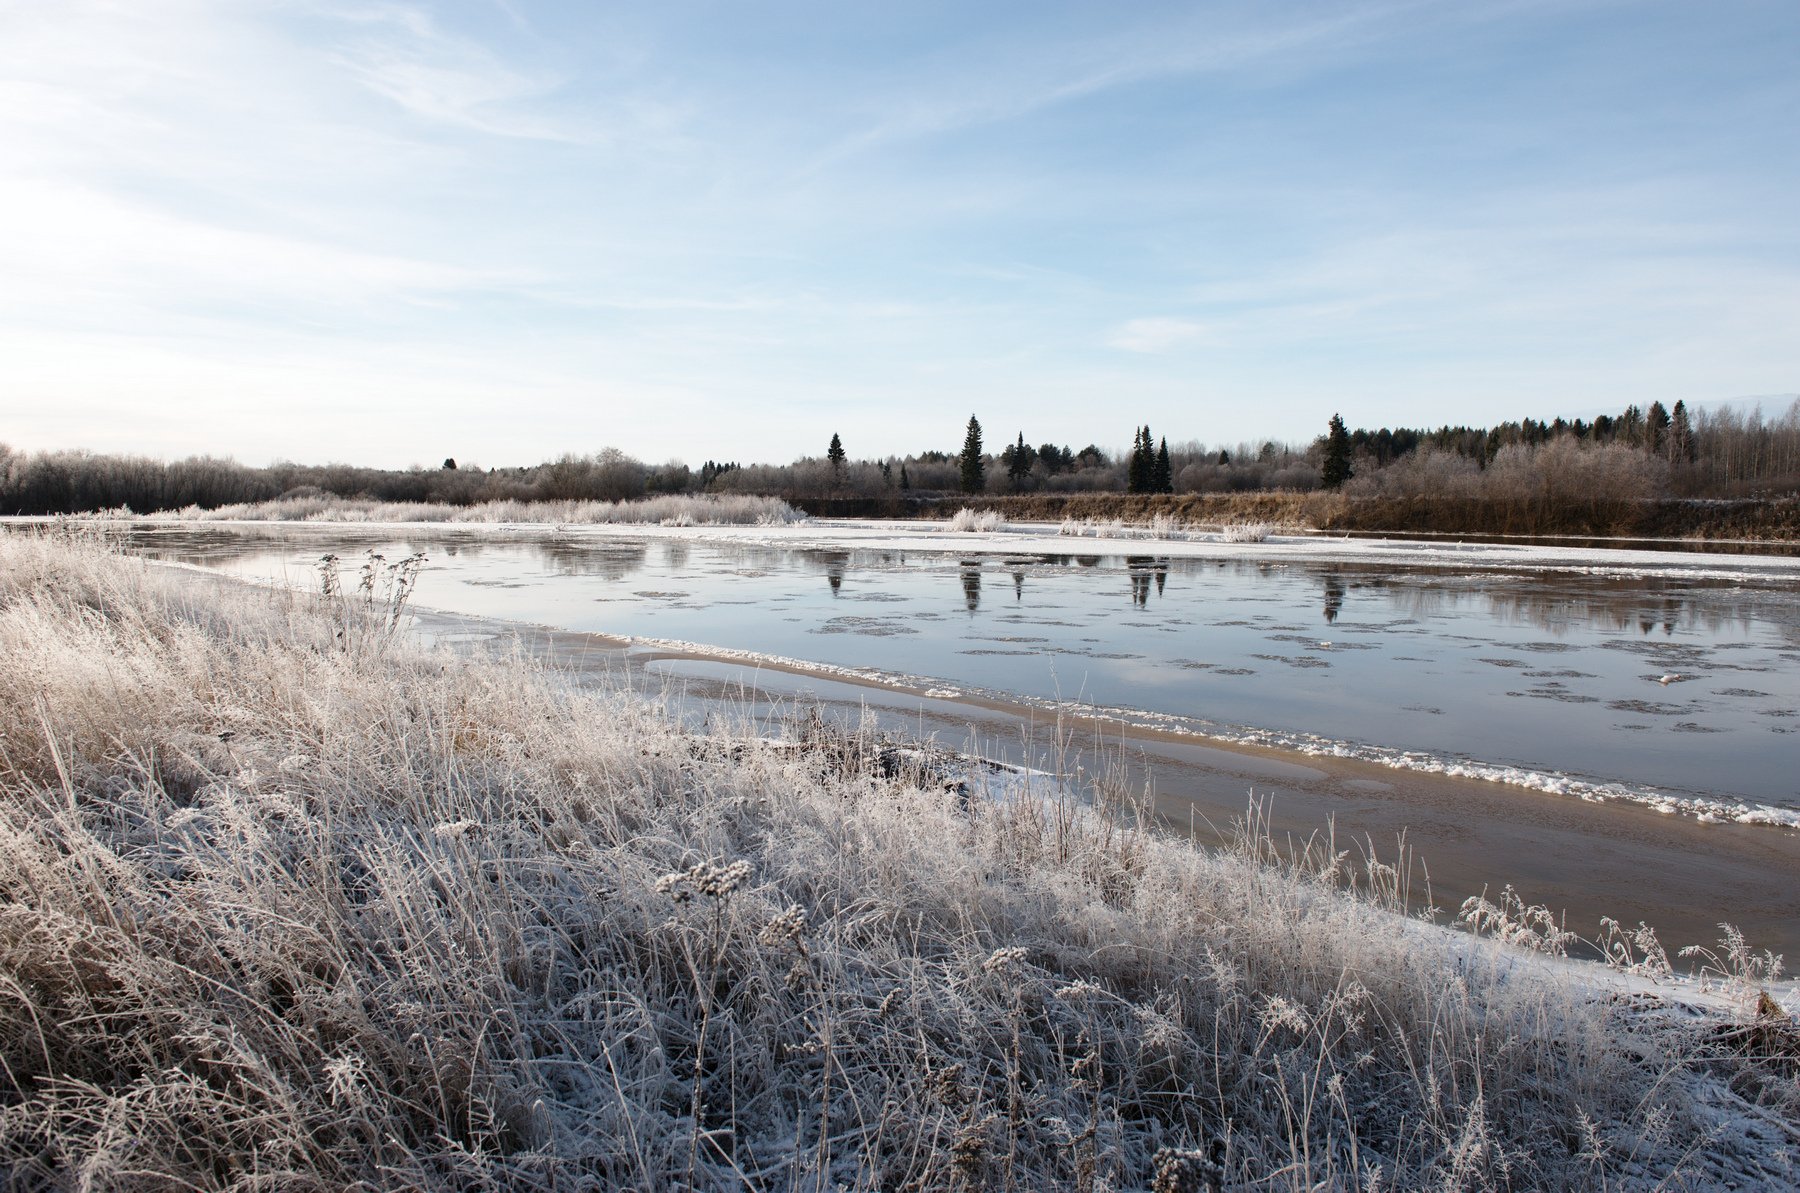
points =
(403, 55)
(1158, 334)
(1012, 81)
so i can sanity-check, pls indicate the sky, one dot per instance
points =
(500, 230)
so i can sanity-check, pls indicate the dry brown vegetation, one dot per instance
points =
(1524, 512)
(288, 902)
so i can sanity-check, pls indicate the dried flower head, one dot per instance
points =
(1003, 959)
(785, 927)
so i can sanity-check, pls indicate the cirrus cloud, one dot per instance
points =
(1159, 334)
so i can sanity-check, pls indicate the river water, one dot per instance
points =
(1677, 691)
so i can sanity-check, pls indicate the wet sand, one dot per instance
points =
(1585, 860)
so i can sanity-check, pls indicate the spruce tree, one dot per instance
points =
(905, 480)
(973, 469)
(1337, 468)
(1137, 473)
(1656, 426)
(1681, 436)
(1164, 472)
(1631, 426)
(835, 453)
(1018, 467)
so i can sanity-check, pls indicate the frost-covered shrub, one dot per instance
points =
(1164, 526)
(983, 522)
(1245, 532)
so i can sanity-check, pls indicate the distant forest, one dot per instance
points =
(1721, 453)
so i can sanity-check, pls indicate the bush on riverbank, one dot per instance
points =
(293, 902)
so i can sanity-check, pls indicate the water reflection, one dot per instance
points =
(971, 584)
(1334, 596)
(1145, 570)
(834, 564)
(608, 561)
(1018, 584)
(1555, 602)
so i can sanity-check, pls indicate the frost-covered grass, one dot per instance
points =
(1092, 528)
(983, 522)
(1245, 532)
(1164, 526)
(291, 902)
(706, 509)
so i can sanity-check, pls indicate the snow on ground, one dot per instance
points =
(1044, 538)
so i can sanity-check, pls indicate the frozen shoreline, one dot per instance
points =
(1701, 809)
(1043, 538)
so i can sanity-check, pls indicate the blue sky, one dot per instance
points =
(390, 233)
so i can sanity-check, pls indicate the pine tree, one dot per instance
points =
(835, 453)
(973, 468)
(1164, 475)
(1337, 468)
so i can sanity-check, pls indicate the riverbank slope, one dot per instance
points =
(294, 900)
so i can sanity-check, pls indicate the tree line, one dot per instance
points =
(1721, 452)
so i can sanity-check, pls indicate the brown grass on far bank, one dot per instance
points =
(1766, 519)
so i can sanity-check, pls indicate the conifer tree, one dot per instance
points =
(1631, 426)
(973, 468)
(1164, 475)
(1336, 469)
(905, 480)
(835, 453)
(1019, 459)
(1656, 426)
(1681, 435)
(1143, 463)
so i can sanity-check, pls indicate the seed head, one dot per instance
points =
(1003, 959)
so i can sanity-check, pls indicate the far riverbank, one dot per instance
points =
(1749, 521)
